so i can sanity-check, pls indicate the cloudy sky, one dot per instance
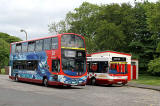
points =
(35, 15)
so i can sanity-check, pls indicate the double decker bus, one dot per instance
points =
(107, 69)
(54, 60)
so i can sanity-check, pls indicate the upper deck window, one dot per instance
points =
(31, 46)
(13, 48)
(47, 44)
(24, 47)
(18, 47)
(72, 41)
(39, 45)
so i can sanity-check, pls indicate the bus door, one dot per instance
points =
(55, 65)
(103, 67)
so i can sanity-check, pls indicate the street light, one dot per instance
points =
(22, 30)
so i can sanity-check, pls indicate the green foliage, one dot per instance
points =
(154, 66)
(158, 48)
(119, 27)
(106, 34)
(90, 44)
(4, 53)
(5, 41)
(2, 71)
(9, 39)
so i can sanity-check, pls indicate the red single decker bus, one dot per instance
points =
(108, 68)
(54, 60)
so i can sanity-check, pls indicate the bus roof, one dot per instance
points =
(44, 38)
(109, 52)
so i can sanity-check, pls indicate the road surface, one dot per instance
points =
(27, 94)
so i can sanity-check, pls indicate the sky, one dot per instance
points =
(34, 16)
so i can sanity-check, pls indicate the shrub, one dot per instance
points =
(154, 67)
(2, 71)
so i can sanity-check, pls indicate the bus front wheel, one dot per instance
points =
(45, 82)
(16, 78)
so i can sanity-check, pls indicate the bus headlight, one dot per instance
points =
(80, 81)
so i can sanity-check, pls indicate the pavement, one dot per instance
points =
(132, 84)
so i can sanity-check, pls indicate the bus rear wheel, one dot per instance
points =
(93, 81)
(45, 82)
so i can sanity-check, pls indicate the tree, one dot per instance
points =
(154, 67)
(8, 38)
(4, 53)
(123, 28)
(109, 37)
(5, 41)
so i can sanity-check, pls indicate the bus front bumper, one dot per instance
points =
(60, 83)
(111, 81)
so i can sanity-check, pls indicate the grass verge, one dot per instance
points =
(148, 80)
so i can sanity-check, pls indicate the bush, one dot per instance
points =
(2, 71)
(154, 67)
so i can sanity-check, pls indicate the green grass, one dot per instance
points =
(148, 80)
(2, 71)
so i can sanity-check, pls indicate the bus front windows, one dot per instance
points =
(73, 66)
(72, 41)
(73, 62)
(117, 68)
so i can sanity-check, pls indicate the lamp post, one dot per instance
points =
(22, 30)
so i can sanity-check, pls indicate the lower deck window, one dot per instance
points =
(98, 67)
(25, 64)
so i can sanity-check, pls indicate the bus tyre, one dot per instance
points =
(93, 81)
(110, 84)
(123, 84)
(16, 78)
(45, 82)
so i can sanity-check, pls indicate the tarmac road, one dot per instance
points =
(27, 94)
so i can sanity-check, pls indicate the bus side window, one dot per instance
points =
(55, 65)
(39, 45)
(13, 48)
(24, 47)
(55, 43)
(18, 48)
(25, 64)
(103, 67)
(94, 67)
(47, 44)
(31, 65)
(31, 46)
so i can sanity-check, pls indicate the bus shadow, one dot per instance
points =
(65, 87)
(52, 86)
(113, 85)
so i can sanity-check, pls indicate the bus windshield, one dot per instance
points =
(73, 62)
(117, 68)
(72, 41)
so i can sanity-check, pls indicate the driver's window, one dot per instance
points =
(55, 65)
